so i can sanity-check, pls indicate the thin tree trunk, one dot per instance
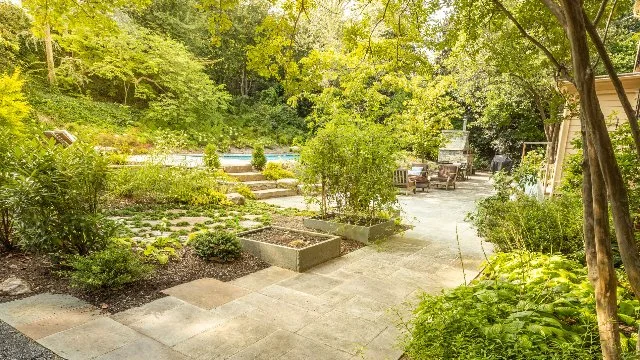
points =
(617, 84)
(591, 256)
(605, 289)
(48, 49)
(596, 127)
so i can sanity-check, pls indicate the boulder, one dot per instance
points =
(235, 198)
(14, 286)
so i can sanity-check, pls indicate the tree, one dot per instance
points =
(62, 15)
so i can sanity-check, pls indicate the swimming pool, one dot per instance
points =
(194, 160)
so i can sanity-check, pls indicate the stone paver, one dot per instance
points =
(37, 307)
(278, 313)
(342, 331)
(226, 340)
(143, 348)
(351, 307)
(92, 339)
(177, 324)
(263, 278)
(61, 321)
(206, 293)
(310, 283)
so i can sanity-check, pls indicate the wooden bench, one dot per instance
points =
(401, 180)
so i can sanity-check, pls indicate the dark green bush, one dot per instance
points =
(550, 226)
(258, 159)
(112, 267)
(55, 193)
(211, 158)
(218, 246)
(525, 306)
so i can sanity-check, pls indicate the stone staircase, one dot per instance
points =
(259, 185)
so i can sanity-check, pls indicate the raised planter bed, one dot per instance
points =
(365, 232)
(297, 250)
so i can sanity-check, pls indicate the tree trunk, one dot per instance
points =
(605, 289)
(591, 256)
(597, 129)
(48, 49)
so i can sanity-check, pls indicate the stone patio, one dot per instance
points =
(347, 308)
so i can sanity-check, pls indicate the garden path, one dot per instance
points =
(352, 307)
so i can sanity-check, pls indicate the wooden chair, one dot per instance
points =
(401, 180)
(419, 174)
(447, 175)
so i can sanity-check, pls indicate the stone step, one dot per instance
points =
(248, 176)
(232, 169)
(261, 185)
(273, 193)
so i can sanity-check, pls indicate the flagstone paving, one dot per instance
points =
(352, 307)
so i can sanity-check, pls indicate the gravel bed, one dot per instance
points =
(15, 346)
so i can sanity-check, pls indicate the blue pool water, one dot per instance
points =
(270, 157)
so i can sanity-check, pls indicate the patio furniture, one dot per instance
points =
(419, 174)
(447, 175)
(401, 180)
(62, 137)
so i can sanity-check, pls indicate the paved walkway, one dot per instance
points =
(347, 308)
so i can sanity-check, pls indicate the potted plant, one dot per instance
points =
(348, 169)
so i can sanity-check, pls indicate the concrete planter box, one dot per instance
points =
(291, 258)
(364, 234)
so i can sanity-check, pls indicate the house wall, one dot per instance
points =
(611, 108)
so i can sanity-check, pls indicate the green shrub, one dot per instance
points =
(211, 158)
(550, 226)
(56, 194)
(258, 160)
(525, 306)
(245, 191)
(354, 165)
(218, 246)
(162, 249)
(153, 183)
(112, 267)
(275, 171)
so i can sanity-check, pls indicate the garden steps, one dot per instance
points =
(273, 193)
(234, 169)
(248, 176)
(261, 185)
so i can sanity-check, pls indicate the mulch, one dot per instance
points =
(43, 276)
(292, 239)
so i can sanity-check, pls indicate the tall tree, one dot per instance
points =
(61, 15)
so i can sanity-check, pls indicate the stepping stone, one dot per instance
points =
(263, 278)
(177, 324)
(342, 331)
(144, 348)
(291, 346)
(92, 339)
(364, 308)
(226, 340)
(250, 224)
(206, 293)
(38, 307)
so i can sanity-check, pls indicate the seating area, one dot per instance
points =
(420, 176)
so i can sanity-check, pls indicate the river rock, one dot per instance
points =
(14, 286)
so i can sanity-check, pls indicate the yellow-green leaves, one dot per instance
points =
(13, 105)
